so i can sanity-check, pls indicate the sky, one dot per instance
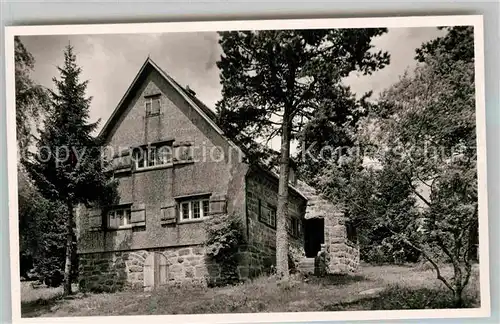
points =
(110, 62)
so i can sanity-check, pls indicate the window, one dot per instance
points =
(194, 209)
(153, 105)
(152, 156)
(267, 214)
(292, 177)
(352, 234)
(119, 218)
(206, 207)
(294, 227)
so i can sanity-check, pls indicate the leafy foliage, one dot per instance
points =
(32, 100)
(274, 81)
(330, 132)
(457, 45)
(423, 193)
(224, 237)
(372, 198)
(42, 236)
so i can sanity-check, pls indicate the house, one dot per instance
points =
(175, 168)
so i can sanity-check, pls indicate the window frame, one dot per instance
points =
(151, 100)
(294, 226)
(151, 153)
(127, 217)
(272, 214)
(190, 203)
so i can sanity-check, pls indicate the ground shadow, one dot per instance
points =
(40, 306)
(336, 279)
(399, 298)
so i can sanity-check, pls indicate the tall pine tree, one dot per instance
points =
(274, 81)
(68, 165)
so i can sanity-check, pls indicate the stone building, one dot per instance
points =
(175, 168)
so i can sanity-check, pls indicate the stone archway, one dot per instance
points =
(155, 271)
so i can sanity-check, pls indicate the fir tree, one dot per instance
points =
(68, 165)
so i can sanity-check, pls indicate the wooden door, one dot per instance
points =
(155, 271)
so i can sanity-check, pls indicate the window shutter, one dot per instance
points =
(95, 219)
(138, 215)
(122, 162)
(218, 204)
(183, 152)
(169, 213)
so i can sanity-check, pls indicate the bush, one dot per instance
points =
(42, 233)
(389, 251)
(53, 279)
(224, 237)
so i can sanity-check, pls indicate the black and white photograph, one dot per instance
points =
(239, 171)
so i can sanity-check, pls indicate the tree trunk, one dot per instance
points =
(458, 299)
(69, 250)
(282, 212)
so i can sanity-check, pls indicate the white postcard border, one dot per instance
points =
(199, 26)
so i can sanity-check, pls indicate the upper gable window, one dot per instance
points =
(153, 105)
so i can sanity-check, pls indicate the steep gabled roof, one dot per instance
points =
(205, 112)
(195, 103)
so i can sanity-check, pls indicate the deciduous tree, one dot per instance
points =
(32, 100)
(426, 134)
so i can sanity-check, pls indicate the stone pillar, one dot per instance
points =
(343, 256)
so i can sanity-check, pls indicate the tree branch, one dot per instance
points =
(416, 192)
(428, 258)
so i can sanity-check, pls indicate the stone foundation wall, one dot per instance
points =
(255, 260)
(112, 271)
(258, 259)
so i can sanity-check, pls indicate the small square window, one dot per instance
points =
(196, 209)
(164, 154)
(152, 156)
(140, 158)
(294, 226)
(185, 210)
(267, 214)
(153, 106)
(128, 216)
(206, 208)
(119, 218)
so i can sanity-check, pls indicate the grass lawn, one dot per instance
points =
(381, 287)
